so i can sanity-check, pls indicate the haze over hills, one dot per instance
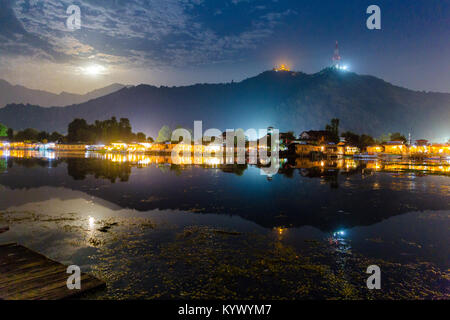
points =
(286, 100)
(19, 94)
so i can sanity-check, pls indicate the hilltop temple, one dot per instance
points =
(282, 67)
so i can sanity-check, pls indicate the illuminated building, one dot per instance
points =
(440, 149)
(306, 149)
(282, 67)
(4, 145)
(374, 149)
(70, 147)
(394, 147)
(421, 142)
(351, 150)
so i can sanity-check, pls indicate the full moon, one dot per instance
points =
(93, 70)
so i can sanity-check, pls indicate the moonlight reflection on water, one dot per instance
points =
(141, 223)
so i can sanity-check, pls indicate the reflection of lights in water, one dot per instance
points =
(5, 153)
(281, 230)
(213, 161)
(144, 162)
(338, 240)
(91, 222)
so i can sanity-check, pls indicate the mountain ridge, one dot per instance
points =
(286, 100)
(10, 93)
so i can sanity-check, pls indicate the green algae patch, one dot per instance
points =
(201, 263)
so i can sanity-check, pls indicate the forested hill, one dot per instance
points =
(286, 100)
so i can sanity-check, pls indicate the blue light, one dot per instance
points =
(339, 233)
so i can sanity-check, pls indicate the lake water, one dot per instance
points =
(152, 229)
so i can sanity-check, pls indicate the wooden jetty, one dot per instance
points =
(28, 275)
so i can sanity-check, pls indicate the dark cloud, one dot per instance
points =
(232, 39)
(15, 40)
(153, 33)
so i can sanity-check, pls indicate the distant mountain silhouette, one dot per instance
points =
(286, 100)
(19, 94)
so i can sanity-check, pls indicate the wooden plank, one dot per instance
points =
(4, 229)
(28, 275)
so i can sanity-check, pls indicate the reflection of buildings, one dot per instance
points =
(27, 154)
(342, 164)
(309, 167)
(79, 169)
(292, 199)
(425, 167)
(145, 160)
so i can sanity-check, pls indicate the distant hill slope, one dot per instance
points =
(286, 100)
(19, 94)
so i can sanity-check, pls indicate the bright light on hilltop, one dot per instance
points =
(282, 67)
(341, 67)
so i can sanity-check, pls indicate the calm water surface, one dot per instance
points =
(150, 228)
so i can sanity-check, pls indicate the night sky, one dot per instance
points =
(168, 42)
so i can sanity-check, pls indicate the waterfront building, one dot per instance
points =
(70, 147)
(4, 145)
(374, 149)
(395, 147)
(440, 149)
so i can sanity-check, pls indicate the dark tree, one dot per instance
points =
(56, 137)
(10, 134)
(397, 136)
(106, 131)
(27, 135)
(351, 138)
(365, 141)
(333, 130)
(78, 131)
(140, 136)
(43, 136)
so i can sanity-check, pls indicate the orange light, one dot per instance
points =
(282, 67)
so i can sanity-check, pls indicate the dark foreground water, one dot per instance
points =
(152, 229)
